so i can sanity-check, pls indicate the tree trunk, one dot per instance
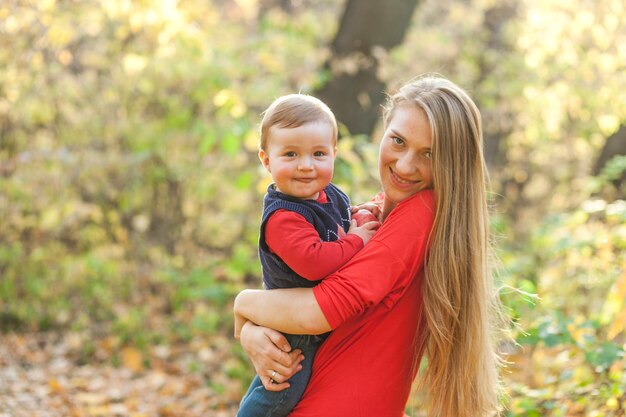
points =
(367, 29)
(615, 145)
(497, 121)
(266, 5)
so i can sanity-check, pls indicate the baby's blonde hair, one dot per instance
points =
(295, 110)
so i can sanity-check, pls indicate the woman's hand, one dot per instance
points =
(271, 355)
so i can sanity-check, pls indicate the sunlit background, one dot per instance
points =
(130, 189)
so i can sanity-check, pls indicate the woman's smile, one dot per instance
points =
(399, 180)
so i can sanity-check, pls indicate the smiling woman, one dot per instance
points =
(405, 152)
(420, 287)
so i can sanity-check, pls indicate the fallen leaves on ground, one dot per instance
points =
(41, 375)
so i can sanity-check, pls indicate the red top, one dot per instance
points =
(366, 366)
(298, 244)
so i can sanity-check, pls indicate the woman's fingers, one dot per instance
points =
(285, 364)
(272, 385)
(287, 372)
(278, 339)
(275, 377)
(260, 344)
(286, 360)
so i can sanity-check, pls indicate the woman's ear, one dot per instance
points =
(265, 159)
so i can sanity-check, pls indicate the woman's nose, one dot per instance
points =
(406, 164)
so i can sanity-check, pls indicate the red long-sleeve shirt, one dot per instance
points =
(366, 366)
(298, 244)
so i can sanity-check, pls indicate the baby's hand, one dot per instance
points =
(363, 216)
(364, 230)
(371, 208)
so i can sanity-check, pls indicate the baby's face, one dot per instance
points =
(301, 159)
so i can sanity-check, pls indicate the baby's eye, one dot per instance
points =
(319, 153)
(290, 154)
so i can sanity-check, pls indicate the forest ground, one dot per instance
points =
(45, 375)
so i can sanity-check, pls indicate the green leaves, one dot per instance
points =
(603, 356)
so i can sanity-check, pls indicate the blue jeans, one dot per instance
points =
(259, 402)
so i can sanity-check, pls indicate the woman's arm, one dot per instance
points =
(378, 272)
(292, 310)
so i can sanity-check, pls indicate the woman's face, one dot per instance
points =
(405, 154)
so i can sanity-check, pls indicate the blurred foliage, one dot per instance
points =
(130, 189)
(571, 359)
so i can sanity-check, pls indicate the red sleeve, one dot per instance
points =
(298, 244)
(385, 267)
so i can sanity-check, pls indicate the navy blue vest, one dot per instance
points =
(325, 217)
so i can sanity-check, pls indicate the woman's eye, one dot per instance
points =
(428, 155)
(396, 140)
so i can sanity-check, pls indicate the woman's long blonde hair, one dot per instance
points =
(460, 304)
